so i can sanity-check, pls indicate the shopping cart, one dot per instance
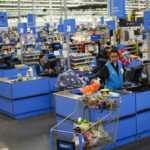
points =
(97, 128)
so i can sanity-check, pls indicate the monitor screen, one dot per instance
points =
(56, 46)
(52, 63)
(134, 74)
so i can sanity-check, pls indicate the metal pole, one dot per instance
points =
(67, 38)
(61, 12)
(148, 32)
(112, 7)
(20, 36)
(50, 12)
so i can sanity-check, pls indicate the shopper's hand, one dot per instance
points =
(50, 70)
(90, 73)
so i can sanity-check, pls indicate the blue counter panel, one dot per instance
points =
(64, 106)
(1, 73)
(5, 89)
(126, 140)
(143, 100)
(30, 88)
(14, 72)
(28, 114)
(31, 104)
(143, 122)
(6, 105)
(25, 107)
(143, 135)
(127, 105)
(126, 128)
(52, 82)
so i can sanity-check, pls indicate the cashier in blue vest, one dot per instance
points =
(112, 74)
(40, 66)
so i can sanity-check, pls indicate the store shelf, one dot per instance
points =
(82, 63)
(82, 58)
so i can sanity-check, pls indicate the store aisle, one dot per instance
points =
(33, 134)
(26, 134)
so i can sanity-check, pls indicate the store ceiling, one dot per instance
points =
(43, 8)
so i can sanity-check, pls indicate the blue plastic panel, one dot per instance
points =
(127, 105)
(14, 72)
(126, 140)
(1, 73)
(30, 88)
(5, 89)
(31, 104)
(143, 122)
(126, 128)
(143, 135)
(6, 105)
(64, 106)
(142, 100)
(52, 82)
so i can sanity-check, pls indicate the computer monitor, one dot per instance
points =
(56, 46)
(51, 63)
(134, 74)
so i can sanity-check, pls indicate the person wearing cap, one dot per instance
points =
(112, 74)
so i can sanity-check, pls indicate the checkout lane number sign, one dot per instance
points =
(69, 26)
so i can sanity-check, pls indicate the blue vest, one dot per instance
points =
(114, 81)
(41, 68)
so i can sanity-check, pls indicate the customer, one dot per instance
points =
(112, 74)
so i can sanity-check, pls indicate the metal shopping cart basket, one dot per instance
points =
(93, 125)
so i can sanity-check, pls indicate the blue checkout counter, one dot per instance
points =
(13, 72)
(134, 119)
(24, 99)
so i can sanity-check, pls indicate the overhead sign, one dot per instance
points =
(111, 25)
(3, 19)
(33, 30)
(129, 23)
(102, 20)
(119, 7)
(69, 26)
(60, 28)
(22, 28)
(146, 20)
(31, 20)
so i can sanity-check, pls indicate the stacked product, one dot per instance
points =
(82, 61)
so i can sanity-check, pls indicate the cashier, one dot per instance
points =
(112, 74)
(40, 65)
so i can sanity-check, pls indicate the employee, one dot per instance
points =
(113, 72)
(40, 65)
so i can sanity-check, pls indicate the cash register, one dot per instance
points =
(137, 80)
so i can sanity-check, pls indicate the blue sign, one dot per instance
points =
(119, 7)
(102, 20)
(60, 21)
(111, 25)
(54, 24)
(69, 26)
(3, 19)
(60, 28)
(65, 145)
(22, 28)
(31, 20)
(146, 20)
(33, 30)
(95, 37)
